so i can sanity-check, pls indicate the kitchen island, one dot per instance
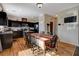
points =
(6, 39)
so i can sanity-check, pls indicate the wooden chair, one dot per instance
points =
(52, 44)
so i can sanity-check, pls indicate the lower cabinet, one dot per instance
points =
(17, 34)
(6, 40)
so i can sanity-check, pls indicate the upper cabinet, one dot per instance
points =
(3, 18)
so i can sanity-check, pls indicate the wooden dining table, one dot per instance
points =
(41, 39)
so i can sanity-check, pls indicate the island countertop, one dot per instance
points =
(8, 32)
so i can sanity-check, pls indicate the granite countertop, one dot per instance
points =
(7, 32)
(18, 28)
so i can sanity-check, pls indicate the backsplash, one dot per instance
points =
(2, 28)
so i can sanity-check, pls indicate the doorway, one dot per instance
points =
(51, 28)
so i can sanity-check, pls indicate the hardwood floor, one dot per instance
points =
(64, 49)
(17, 46)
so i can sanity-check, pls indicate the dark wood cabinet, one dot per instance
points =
(12, 23)
(17, 34)
(3, 18)
(6, 40)
(23, 24)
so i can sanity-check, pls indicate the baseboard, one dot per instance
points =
(69, 43)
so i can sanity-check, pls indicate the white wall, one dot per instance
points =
(41, 23)
(15, 18)
(48, 19)
(45, 19)
(68, 32)
(78, 27)
(54, 20)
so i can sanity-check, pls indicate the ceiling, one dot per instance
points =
(30, 9)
